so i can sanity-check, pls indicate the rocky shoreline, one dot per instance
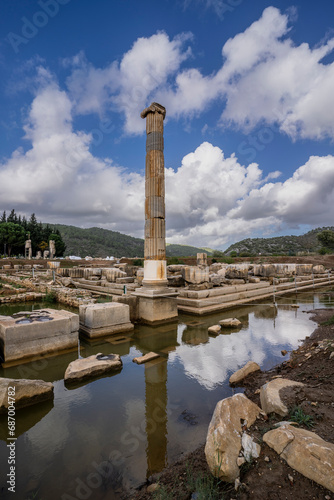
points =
(268, 476)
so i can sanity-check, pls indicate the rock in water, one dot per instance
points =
(93, 366)
(246, 370)
(24, 392)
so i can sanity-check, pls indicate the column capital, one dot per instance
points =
(154, 108)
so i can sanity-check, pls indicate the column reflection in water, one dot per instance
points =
(156, 415)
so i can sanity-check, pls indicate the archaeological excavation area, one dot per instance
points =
(118, 387)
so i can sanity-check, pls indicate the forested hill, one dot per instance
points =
(279, 245)
(98, 242)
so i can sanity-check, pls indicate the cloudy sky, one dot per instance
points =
(248, 88)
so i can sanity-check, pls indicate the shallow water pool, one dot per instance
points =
(109, 433)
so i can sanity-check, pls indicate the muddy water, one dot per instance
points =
(113, 432)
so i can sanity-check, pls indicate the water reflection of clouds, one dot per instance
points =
(49, 436)
(210, 364)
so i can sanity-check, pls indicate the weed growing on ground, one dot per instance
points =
(163, 494)
(329, 322)
(102, 300)
(50, 297)
(298, 415)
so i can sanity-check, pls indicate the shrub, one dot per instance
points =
(138, 262)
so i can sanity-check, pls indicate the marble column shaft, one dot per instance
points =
(155, 232)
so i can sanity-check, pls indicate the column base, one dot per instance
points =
(156, 305)
(155, 273)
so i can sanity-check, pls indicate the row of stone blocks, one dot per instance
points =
(109, 273)
(50, 331)
(207, 301)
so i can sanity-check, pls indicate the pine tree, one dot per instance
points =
(12, 217)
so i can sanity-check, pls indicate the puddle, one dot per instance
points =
(136, 422)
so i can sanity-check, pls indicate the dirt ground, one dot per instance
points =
(268, 477)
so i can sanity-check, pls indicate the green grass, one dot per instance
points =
(102, 300)
(298, 415)
(206, 487)
(329, 322)
(17, 285)
(50, 297)
(163, 494)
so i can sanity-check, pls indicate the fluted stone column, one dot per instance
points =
(156, 302)
(155, 232)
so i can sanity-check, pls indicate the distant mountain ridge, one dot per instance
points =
(279, 245)
(98, 242)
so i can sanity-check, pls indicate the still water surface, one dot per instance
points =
(141, 419)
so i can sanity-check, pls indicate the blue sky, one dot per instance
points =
(248, 88)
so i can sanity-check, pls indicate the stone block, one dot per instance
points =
(27, 392)
(230, 323)
(237, 271)
(112, 273)
(156, 305)
(89, 272)
(40, 332)
(202, 259)
(97, 320)
(214, 329)
(147, 357)
(195, 275)
(125, 280)
(93, 366)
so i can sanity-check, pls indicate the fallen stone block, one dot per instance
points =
(214, 329)
(246, 370)
(195, 275)
(270, 397)
(224, 438)
(24, 392)
(147, 357)
(93, 366)
(305, 452)
(229, 322)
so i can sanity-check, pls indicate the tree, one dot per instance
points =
(326, 238)
(12, 236)
(218, 253)
(12, 217)
(3, 217)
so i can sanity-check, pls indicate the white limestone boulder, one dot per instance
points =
(250, 449)
(93, 366)
(271, 401)
(27, 392)
(224, 438)
(305, 452)
(243, 372)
